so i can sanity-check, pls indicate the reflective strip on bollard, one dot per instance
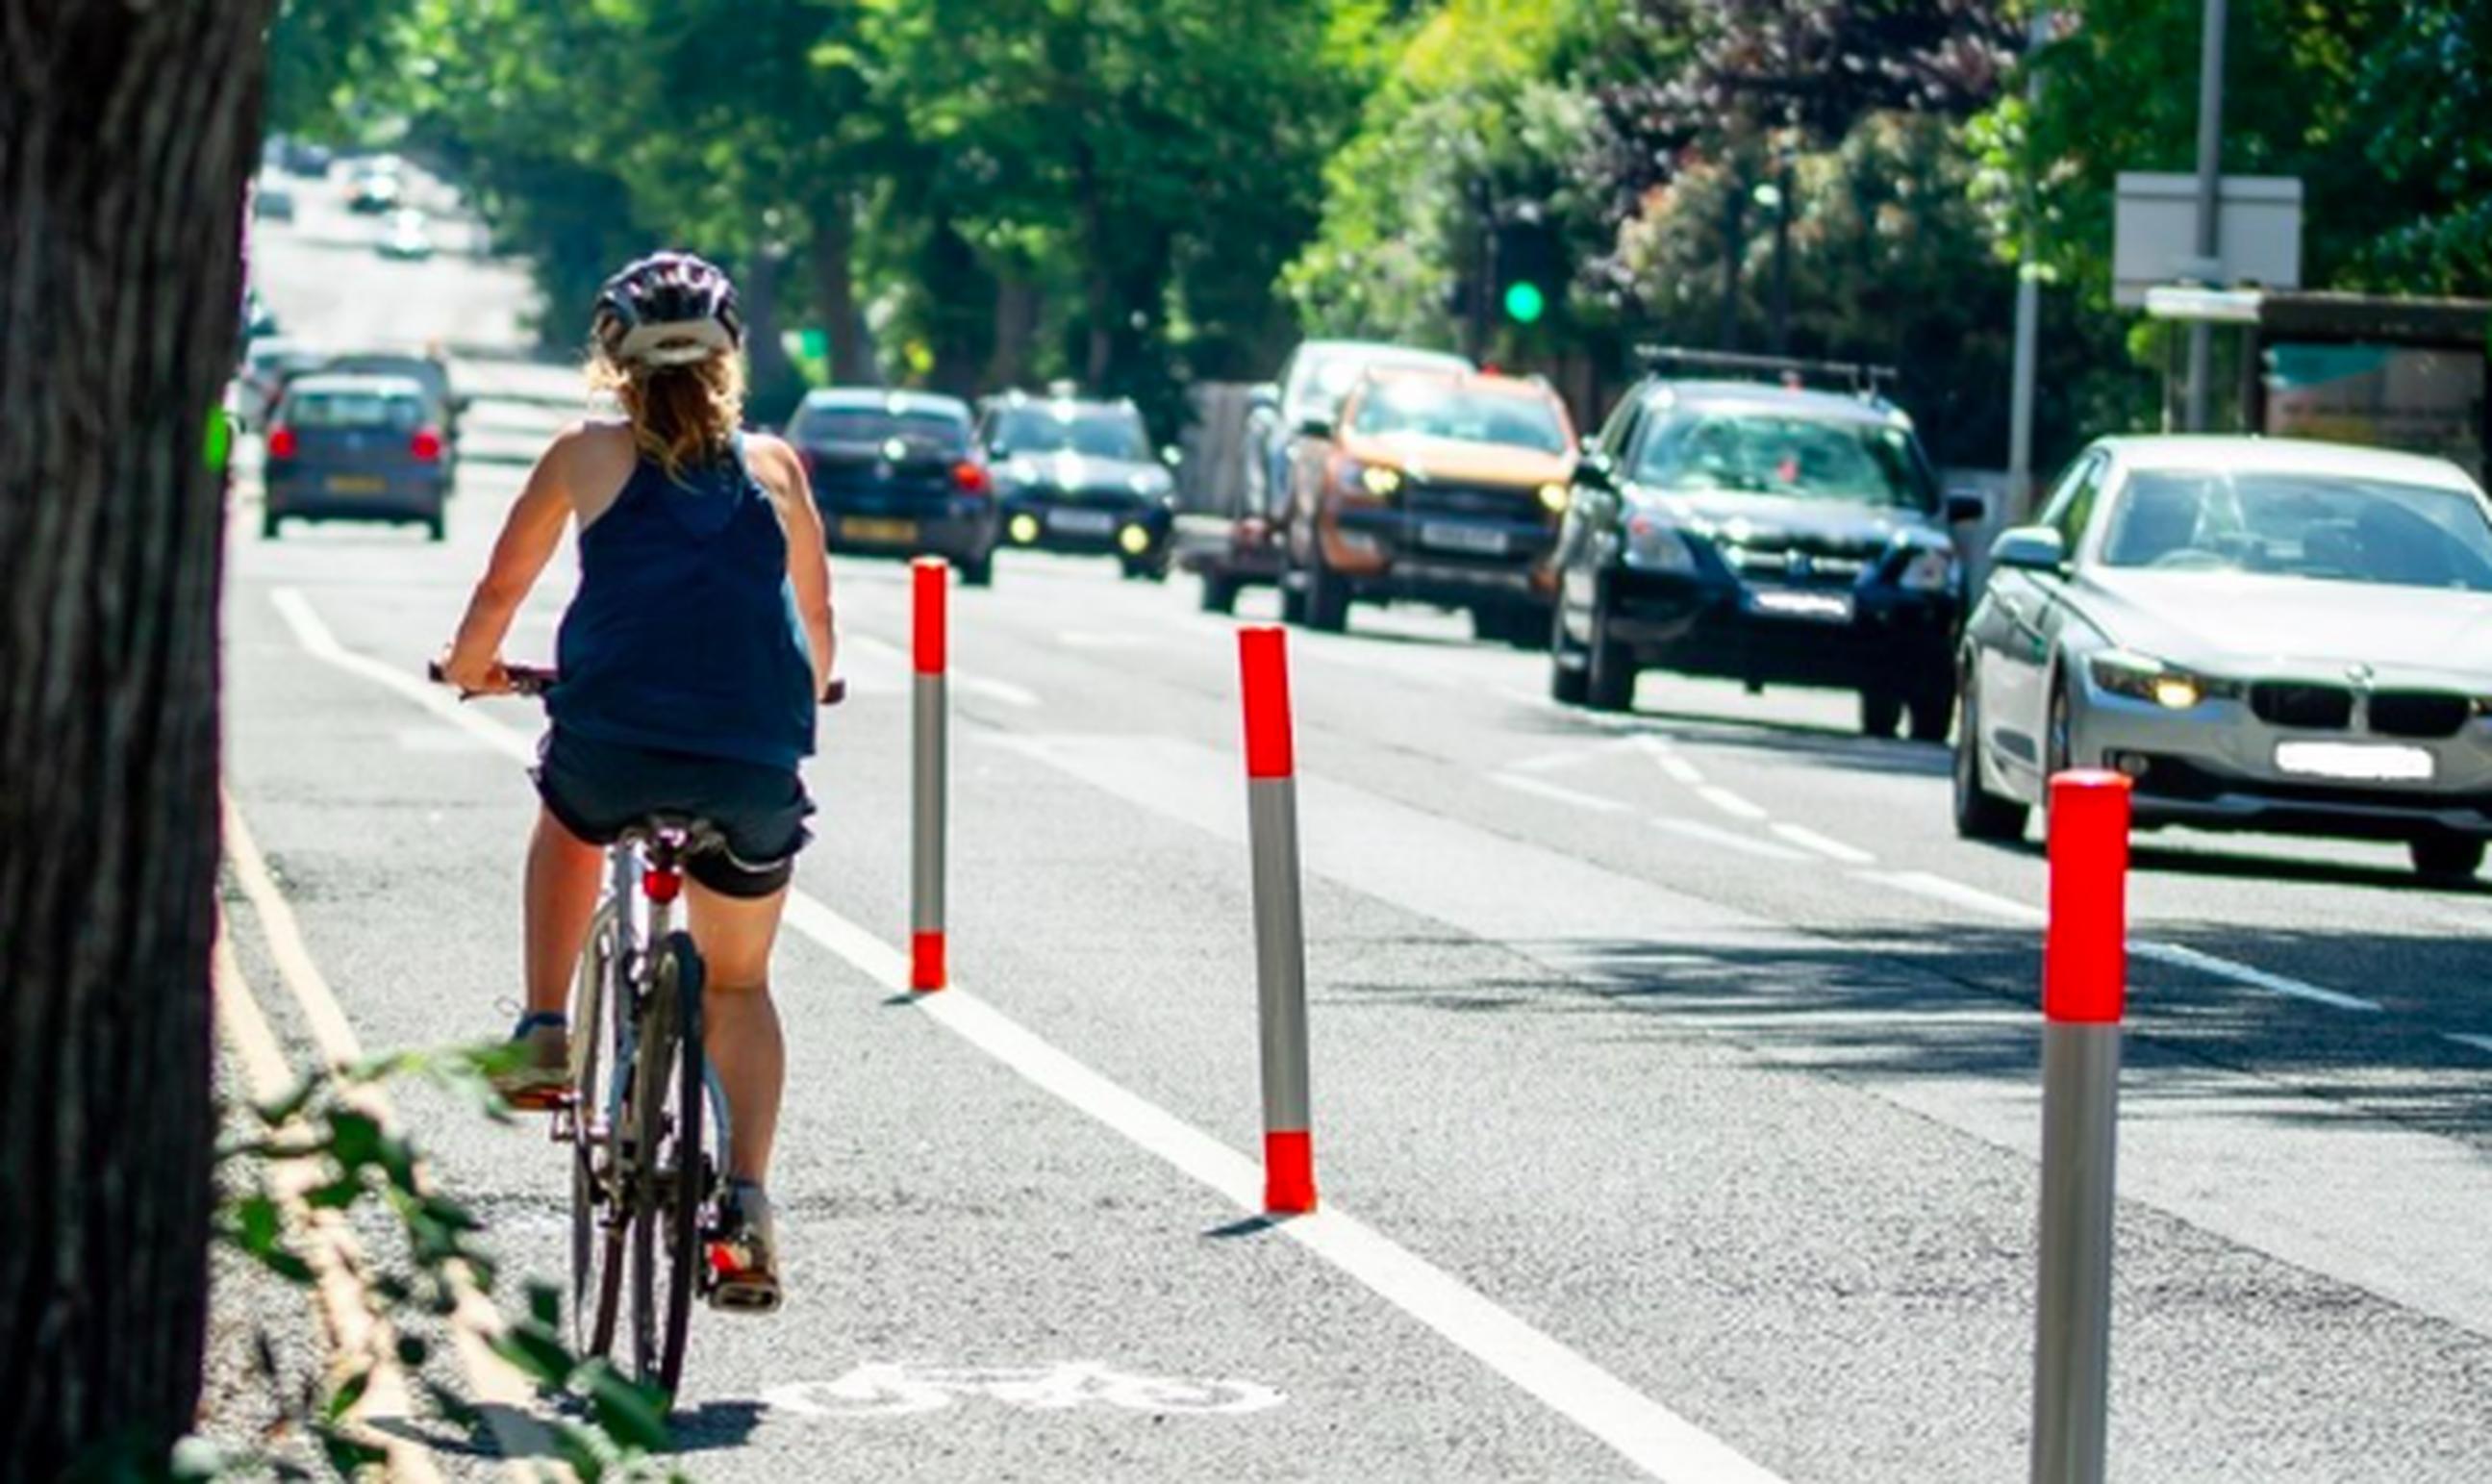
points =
(2084, 993)
(928, 781)
(1279, 933)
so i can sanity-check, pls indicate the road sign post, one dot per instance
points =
(1280, 930)
(930, 784)
(2084, 990)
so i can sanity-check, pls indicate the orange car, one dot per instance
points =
(1438, 488)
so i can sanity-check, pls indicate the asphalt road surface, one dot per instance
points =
(1674, 1076)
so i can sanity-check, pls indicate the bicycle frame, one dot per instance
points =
(645, 878)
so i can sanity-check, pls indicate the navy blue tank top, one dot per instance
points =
(683, 636)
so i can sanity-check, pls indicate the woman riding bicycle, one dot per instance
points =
(689, 664)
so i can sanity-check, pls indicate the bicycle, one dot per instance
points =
(648, 1180)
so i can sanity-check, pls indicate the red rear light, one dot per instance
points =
(426, 445)
(281, 442)
(970, 477)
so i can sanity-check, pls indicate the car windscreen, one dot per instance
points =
(1331, 377)
(397, 412)
(929, 431)
(1795, 457)
(2279, 523)
(1442, 410)
(1098, 432)
(435, 378)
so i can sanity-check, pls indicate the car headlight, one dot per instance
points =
(1653, 545)
(1553, 499)
(2142, 677)
(1378, 480)
(1930, 570)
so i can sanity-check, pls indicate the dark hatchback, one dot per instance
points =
(1081, 475)
(354, 448)
(896, 474)
(1766, 534)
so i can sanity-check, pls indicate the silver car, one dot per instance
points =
(2262, 634)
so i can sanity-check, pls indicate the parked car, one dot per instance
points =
(267, 365)
(1228, 543)
(897, 473)
(1076, 474)
(354, 448)
(1767, 533)
(375, 189)
(1439, 486)
(407, 238)
(272, 203)
(1313, 381)
(2260, 634)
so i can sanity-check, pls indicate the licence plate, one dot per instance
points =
(356, 484)
(1789, 602)
(2362, 762)
(1449, 537)
(1081, 523)
(867, 529)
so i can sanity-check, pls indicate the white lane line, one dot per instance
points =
(2479, 1043)
(1728, 803)
(1655, 1439)
(1669, 759)
(966, 682)
(1824, 845)
(2179, 956)
(1565, 757)
(1560, 793)
(1940, 889)
(1732, 840)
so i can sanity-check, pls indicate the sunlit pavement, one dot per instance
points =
(1691, 1044)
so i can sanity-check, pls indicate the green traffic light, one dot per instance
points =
(1525, 303)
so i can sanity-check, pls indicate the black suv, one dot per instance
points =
(1080, 475)
(1761, 531)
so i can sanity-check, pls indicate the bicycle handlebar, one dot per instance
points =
(535, 679)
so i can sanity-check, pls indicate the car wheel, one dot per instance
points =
(1294, 592)
(1570, 674)
(1979, 814)
(1609, 667)
(435, 528)
(1880, 713)
(977, 571)
(2448, 859)
(1219, 594)
(1930, 712)
(1327, 598)
(271, 525)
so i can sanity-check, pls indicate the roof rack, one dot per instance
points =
(1867, 382)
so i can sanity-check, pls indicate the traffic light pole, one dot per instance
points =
(2210, 159)
(1485, 285)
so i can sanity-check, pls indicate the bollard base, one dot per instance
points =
(1289, 1174)
(925, 967)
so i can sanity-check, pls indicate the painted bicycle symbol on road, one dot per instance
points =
(882, 1390)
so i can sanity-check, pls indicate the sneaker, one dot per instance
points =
(539, 1075)
(743, 1259)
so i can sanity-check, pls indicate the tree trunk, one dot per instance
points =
(1016, 312)
(775, 386)
(127, 132)
(852, 359)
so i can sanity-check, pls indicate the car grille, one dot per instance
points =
(1510, 503)
(2292, 703)
(2418, 713)
(1798, 565)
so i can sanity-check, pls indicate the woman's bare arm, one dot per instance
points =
(809, 565)
(529, 537)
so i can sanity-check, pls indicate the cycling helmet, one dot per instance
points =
(669, 308)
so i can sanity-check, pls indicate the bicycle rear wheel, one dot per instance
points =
(597, 1175)
(667, 1245)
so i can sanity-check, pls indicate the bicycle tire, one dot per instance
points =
(596, 1269)
(678, 1176)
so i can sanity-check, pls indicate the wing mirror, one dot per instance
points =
(1171, 455)
(1965, 507)
(2032, 547)
(1315, 424)
(1595, 472)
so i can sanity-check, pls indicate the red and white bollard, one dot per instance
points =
(929, 781)
(2085, 961)
(1279, 933)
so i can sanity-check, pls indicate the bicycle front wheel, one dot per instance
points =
(599, 1175)
(667, 1246)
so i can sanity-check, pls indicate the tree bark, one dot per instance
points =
(776, 387)
(853, 358)
(127, 132)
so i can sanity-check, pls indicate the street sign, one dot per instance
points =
(2154, 234)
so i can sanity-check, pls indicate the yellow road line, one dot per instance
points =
(503, 1395)
(355, 1335)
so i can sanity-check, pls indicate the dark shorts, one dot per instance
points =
(599, 789)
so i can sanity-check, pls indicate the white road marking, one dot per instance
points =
(1824, 844)
(1669, 759)
(2180, 956)
(1728, 803)
(2479, 1043)
(1559, 793)
(1650, 1434)
(966, 682)
(1565, 757)
(1940, 889)
(1731, 840)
